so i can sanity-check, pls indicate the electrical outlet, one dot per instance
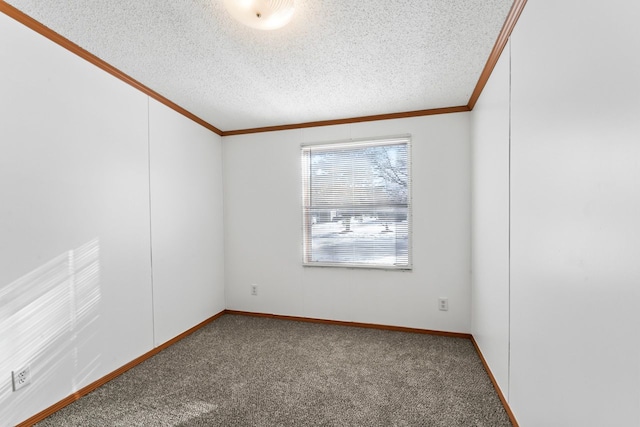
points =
(21, 378)
(254, 290)
(443, 304)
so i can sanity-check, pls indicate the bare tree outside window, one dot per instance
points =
(356, 203)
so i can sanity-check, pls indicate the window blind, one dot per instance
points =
(357, 203)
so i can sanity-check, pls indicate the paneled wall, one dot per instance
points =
(490, 222)
(77, 299)
(574, 301)
(111, 221)
(186, 222)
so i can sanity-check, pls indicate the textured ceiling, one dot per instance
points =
(336, 59)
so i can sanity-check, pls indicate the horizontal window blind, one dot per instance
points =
(357, 203)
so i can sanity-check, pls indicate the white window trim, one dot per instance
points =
(380, 140)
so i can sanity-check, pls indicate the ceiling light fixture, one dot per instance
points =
(261, 14)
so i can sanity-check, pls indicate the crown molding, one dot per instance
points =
(47, 32)
(503, 38)
(498, 47)
(377, 117)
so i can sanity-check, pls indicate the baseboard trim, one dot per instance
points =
(94, 385)
(99, 382)
(504, 402)
(507, 408)
(354, 324)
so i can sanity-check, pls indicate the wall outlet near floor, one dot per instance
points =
(254, 289)
(21, 378)
(443, 304)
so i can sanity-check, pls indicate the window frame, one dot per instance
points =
(306, 214)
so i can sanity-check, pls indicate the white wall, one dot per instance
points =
(73, 170)
(186, 218)
(75, 244)
(575, 203)
(263, 230)
(575, 247)
(81, 216)
(490, 222)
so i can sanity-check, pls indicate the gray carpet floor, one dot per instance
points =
(250, 371)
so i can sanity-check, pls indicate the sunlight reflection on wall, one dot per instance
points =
(48, 319)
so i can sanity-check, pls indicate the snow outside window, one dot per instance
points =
(356, 203)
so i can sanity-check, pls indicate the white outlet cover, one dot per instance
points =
(21, 378)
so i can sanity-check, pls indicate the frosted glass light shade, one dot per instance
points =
(261, 14)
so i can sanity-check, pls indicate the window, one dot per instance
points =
(357, 203)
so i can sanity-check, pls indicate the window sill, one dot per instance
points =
(359, 266)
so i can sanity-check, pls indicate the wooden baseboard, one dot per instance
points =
(99, 382)
(505, 404)
(507, 408)
(94, 385)
(354, 324)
